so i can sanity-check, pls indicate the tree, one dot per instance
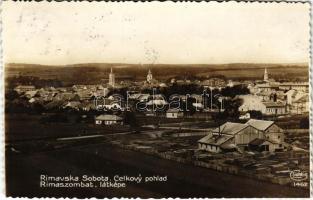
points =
(255, 114)
(11, 95)
(236, 90)
(304, 123)
(231, 108)
(130, 118)
(188, 107)
(37, 108)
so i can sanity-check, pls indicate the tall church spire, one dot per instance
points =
(265, 75)
(112, 78)
(149, 76)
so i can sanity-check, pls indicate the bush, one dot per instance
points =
(304, 123)
(255, 114)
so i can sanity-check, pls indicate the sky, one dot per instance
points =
(60, 33)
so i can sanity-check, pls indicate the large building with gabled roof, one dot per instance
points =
(238, 136)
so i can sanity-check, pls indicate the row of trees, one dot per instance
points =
(196, 89)
(32, 80)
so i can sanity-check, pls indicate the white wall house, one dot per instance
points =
(254, 102)
(174, 113)
(302, 105)
(267, 87)
(299, 86)
(214, 143)
(250, 102)
(24, 88)
(298, 102)
(274, 108)
(108, 120)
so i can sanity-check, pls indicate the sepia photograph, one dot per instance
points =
(156, 99)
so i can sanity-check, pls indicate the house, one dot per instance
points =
(221, 137)
(239, 136)
(297, 101)
(299, 86)
(214, 82)
(107, 119)
(198, 106)
(160, 103)
(135, 96)
(254, 102)
(32, 100)
(274, 108)
(46, 94)
(24, 88)
(262, 145)
(66, 96)
(84, 95)
(85, 87)
(114, 106)
(267, 87)
(265, 95)
(30, 94)
(250, 102)
(79, 87)
(143, 97)
(232, 83)
(280, 96)
(245, 116)
(182, 98)
(150, 113)
(162, 85)
(63, 89)
(272, 133)
(87, 106)
(293, 95)
(100, 87)
(174, 113)
(300, 106)
(215, 144)
(156, 102)
(108, 103)
(101, 92)
(50, 89)
(75, 105)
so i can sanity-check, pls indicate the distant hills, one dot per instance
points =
(90, 73)
(123, 65)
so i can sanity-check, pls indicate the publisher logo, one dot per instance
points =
(298, 175)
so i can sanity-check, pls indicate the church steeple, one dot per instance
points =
(149, 76)
(112, 78)
(265, 75)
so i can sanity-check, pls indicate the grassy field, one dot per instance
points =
(23, 172)
(23, 127)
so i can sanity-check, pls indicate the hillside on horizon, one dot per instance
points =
(225, 65)
(93, 73)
